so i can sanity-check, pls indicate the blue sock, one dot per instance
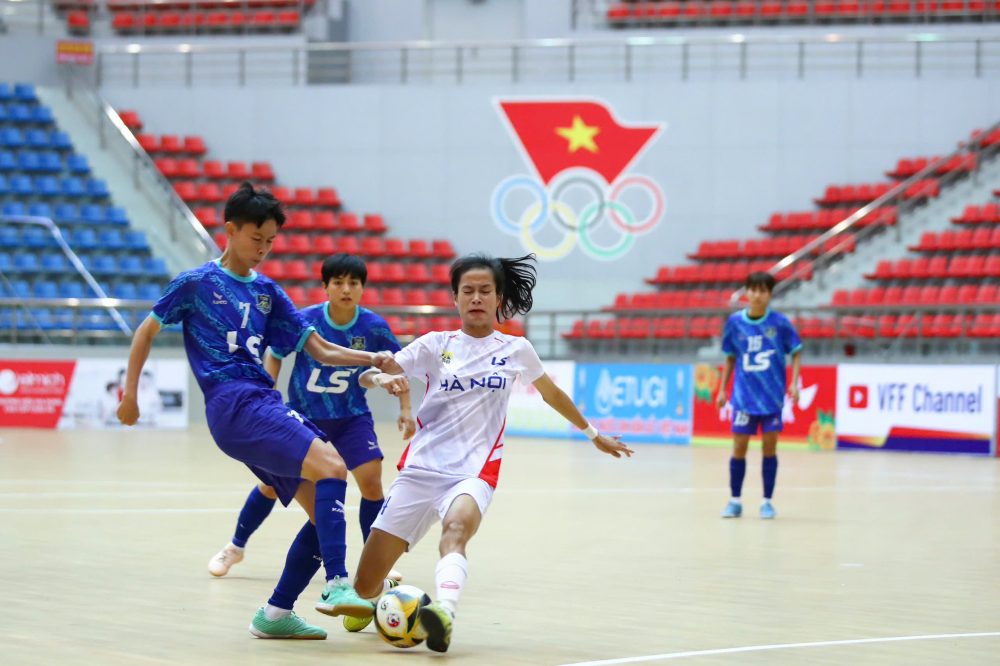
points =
(737, 470)
(301, 565)
(368, 512)
(769, 470)
(255, 510)
(331, 527)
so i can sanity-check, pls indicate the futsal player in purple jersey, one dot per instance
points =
(332, 399)
(231, 314)
(755, 341)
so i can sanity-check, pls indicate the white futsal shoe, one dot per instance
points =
(224, 560)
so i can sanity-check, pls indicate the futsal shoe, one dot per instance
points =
(732, 510)
(355, 624)
(436, 620)
(339, 598)
(224, 560)
(767, 511)
(289, 626)
(395, 576)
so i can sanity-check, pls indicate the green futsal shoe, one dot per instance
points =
(339, 598)
(355, 624)
(436, 621)
(289, 626)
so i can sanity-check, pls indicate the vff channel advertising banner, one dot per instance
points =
(527, 413)
(85, 393)
(642, 402)
(937, 408)
(811, 421)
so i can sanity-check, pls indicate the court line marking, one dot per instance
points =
(779, 646)
(33, 511)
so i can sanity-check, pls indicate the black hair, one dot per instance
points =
(514, 279)
(339, 265)
(760, 279)
(254, 206)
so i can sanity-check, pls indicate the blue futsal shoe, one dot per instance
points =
(767, 511)
(732, 510)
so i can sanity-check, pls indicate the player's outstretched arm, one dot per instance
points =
(142, 342)
(393, 384)
(328, 353)
(557, 399)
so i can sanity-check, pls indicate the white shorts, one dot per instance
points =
(418, 498)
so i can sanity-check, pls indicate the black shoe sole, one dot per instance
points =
(431, 623)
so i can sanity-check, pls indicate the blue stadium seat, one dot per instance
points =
(50, 162)
(77, 164)
(18, 113)
(72, 187)
(27, 161)
(11, 138)
(150, 292)
(126, 290)
(46, 289)
(4, 186)
(35, 319)
(136, 240)
(130, 265)
(6, 93)
(25, 262)
(92, 214)
(62, 318)
(21, 288)
(22, 186)
(36, 238)
(47, 186)
(111, 240)
(114, 215)
(67, 214)
(97, 188)
(155, 266)
(14, 208)
(103, 264)
(72, 290)
(3, 114)
(60, 141)
(7, 161)
(9, 237)
(96, 320)
(42, 115)
(40, 210)
(53, 262)
(83, 239)
(36, 138)
(6, 265)
(25, 92)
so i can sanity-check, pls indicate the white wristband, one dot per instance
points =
(591, 432)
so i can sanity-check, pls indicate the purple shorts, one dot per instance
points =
(353, 437)
(748, 424)
(252, 424)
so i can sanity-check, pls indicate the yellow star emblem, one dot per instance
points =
(580, 135)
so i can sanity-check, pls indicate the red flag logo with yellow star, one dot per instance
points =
(559, 135)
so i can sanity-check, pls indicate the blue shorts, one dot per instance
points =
(252, 424)
(353, 437)
(748, 424)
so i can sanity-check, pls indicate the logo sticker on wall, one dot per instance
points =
(581, 190)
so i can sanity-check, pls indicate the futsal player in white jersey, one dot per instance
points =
(449, 470)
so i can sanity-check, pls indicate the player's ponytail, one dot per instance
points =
(514, 279)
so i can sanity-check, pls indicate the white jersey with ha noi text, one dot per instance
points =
(462, 418)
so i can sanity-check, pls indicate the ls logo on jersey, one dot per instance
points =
(264, 303)
(338, 381)
(580, 155)
(756, 360)
(358, 342)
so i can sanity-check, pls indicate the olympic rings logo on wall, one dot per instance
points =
(573, 146)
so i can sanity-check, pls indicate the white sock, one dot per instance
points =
(450, 575)
(386, 586)
(767, 500)
(736, 500)
(233, 546)
(274, 613)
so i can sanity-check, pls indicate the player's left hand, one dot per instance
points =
(379, 359)
(612, 446)
(394, 384)
(793, 393)
(406, 424)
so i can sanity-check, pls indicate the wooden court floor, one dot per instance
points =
(874, 559)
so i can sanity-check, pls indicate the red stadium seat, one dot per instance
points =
(327, 196)
(373, 223)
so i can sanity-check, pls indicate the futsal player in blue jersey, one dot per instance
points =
(333, 400)
(756, 341)
(230, 315)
